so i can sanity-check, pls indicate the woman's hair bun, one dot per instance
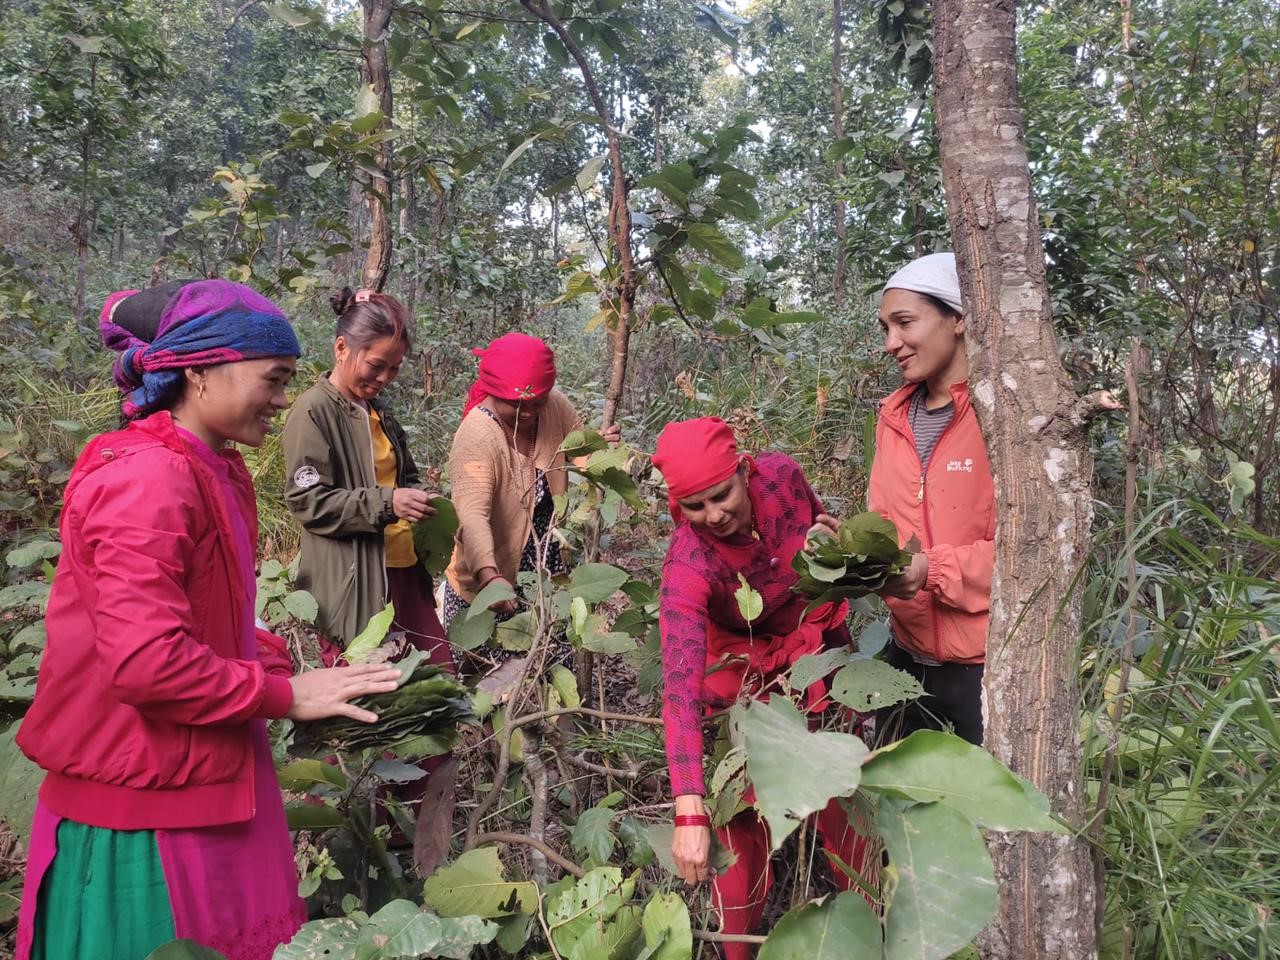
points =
(341, 299)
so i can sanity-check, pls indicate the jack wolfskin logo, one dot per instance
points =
(960, 466)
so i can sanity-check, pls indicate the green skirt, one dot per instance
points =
(103, 897)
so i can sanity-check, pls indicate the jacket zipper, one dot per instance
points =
(373, 471)
(924, 511)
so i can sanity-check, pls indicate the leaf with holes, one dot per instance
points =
(867, 685)
(474, 885)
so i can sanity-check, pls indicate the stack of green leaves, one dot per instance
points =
(418, 719)
(854, 563)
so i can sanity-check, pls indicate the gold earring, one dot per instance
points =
(200, 389)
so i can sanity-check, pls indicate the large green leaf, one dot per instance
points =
(933, 766)
(588, 904)
(708, 239)
(472, 629)
(404, 931)
(594, 582)
(940, 888)
(867, 685)
(474, 886)
(593, 836)
(331, 939)
(668, 934)
(811, 668)
(20, 781)
(433, 537)
(33, 552)
(371, 637)
(836, 928)
(795, 772)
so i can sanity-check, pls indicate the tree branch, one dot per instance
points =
(501, 836)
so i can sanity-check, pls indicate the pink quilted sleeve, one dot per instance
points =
(682, 617)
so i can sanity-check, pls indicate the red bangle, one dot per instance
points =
(692, 820)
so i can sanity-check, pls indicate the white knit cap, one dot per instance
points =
(934, 275)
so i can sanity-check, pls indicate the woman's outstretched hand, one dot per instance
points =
(318, 694)
(612, 434)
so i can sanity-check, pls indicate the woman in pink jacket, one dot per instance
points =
(160, 816)
(931, 477)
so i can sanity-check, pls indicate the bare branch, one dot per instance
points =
(501, 836)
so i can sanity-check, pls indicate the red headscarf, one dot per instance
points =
(694, 455)
(516, 366)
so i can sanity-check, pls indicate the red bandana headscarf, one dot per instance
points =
(694, 455)
(516, 366)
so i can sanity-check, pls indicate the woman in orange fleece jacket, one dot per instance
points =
(931, 477)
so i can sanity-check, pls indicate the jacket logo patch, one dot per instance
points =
(960, 466)
(305, 477)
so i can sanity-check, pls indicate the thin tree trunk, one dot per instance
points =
(624, 299)
(82, 215)
(1034, 427)
(657, 131)
(376, 72)
(837, 111)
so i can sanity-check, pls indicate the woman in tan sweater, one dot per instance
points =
(505, 467)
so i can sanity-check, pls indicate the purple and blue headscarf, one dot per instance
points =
(159, 333)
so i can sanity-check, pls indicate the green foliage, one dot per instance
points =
(854, 563)
(20, 780)
(837, 927)
(401, 930)
(433, 537)
(371, 637)
(475, 885)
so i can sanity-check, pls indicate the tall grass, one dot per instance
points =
(1190, 838)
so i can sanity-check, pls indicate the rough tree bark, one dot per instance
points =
(624, 298)
(376, 72)
(1034, 427)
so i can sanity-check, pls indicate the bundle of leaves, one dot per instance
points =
(420, 718)
(855, 562)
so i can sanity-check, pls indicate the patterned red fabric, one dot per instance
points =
(694, 455)
(699, 577)
(515, 366)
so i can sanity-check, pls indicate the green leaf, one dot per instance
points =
(463, 31)
(750, 603)
(88, 45)
(675, 180)
(184, 950)
(587, 905)
(286, 13)
(316, 170)
(867, 685)
(401, 929)
(565, 685)
(366, 124)
(708, 239)
(832, 929)
(474, 885)
(668, 934)
(20, 781)
(516, 633)
(472, 629)
(301, 606)
(28, 593)
(594, 582)
(795, 772)
(495, 591)
(513, 933)
(433, 537)
(302, 775)
(33, 552)
(811, 668)
(581, 443)
(311, 816)
(590, 173)
(592, 837)
(940, 888)
(930, 766)
(331, 939)
(579, 284)
(515, 154)
(371, 637)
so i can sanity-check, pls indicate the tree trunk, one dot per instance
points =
(376, 72)
(81, 229)
(623, 301)
(837, 112)
(1034, 427)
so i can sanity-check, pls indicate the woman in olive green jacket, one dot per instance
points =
(353, 484)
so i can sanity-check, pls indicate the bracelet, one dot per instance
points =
(692, 820)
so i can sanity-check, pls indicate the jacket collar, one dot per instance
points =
(893, 408)
(338, 397)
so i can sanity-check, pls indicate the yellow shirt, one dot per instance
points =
(399, 535)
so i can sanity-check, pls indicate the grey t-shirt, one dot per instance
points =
(927, 425)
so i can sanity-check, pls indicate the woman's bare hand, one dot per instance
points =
(691, 849)
(318, 694)
(612, 434)
(910, 582)
(412, 505)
